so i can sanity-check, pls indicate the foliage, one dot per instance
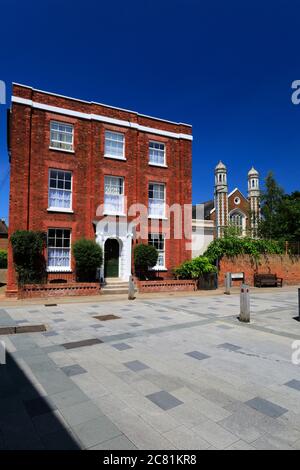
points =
(145, 258)
(88, 257)
(195, 268)
(271, 200)
(231, 246)
(3, 259)
(29, 261)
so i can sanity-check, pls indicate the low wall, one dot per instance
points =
(58, 290)
(168, 285)
(285, 266)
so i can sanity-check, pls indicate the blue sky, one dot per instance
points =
(224, 67)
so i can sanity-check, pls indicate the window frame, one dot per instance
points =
(55, 269)
(153, 216)
(60, 209)
(61, 123)
(109, 212)
(164, 164)
(115, 157)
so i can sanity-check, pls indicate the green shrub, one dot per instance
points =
(88, 257)
(28, 256)
(195, 268)
(231, 246)
(3, 259)
(145, 257)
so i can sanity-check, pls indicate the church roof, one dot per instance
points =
(220, 166)
(253, 172)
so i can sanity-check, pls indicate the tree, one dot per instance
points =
(280, 212)
(28, 247)
(145, 258)
(88, 257)
(271, 209)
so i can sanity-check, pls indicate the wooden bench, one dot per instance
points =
(267, 279)
(238, 277)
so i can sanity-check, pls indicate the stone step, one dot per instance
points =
(117, 286)
(114, 290)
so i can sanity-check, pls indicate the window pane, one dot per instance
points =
(59, 250)
(156, 200)
(114, 144)
(60, 195)
(61, 135)
(157, 153)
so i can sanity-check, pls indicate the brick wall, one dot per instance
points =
(284, 266)
(31, 160)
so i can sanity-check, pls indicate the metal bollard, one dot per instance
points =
(244, 304)
(227, 283)
(131, 289)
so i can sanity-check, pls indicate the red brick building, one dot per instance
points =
(70, 156)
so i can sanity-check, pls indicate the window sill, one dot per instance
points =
(155, 217)
(115, 158)
(115, 214)
(158, 165)
(159, 268)
(61, 150)
(57, 209)
(58, 269)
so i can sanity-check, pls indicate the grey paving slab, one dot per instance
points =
(61, 440)
(68, 397)
(164, 400)
(96, 431)
(80, 412)
(266, 407)
(74, 369)
(121, 346)
(116, 443)
(136, 366)
(197, 355)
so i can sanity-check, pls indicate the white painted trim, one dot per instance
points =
(116, 158)
(234, 190)
(56, 209)
(100, 104)
(98, 117)
(57, 269)
(61, 150)
(157, 164)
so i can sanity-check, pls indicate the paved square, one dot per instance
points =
(193, 377)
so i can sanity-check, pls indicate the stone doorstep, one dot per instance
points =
(12, 330)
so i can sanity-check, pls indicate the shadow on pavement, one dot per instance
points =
(27, 420)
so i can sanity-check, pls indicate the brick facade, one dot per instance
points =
(31, 160)
(285, 266)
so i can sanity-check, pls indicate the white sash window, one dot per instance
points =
(59, 249)
(60, 190)
(113, 195)
(156, 200)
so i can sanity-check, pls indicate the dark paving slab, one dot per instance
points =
(136, 366)
(74, 369)
(82, 344)
(197, 355)
(121, 346)
(266, 407)
(229, 347)
(295, 384)
(164, 400)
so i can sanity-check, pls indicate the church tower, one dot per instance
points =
(254, 196)
(221, 199)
